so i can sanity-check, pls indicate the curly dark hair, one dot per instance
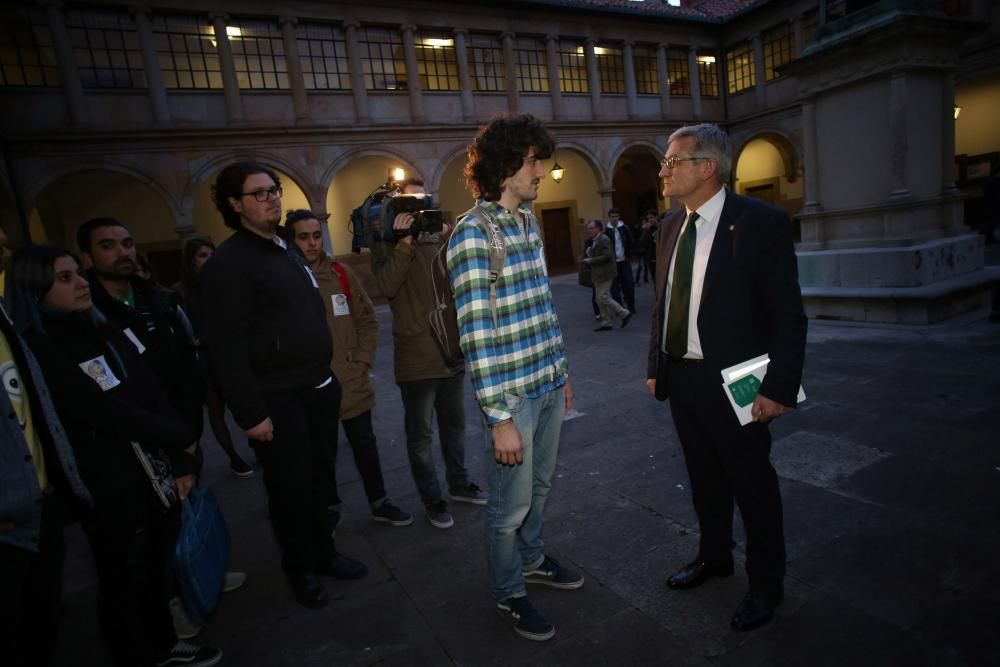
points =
(498, 151)
(229, 183)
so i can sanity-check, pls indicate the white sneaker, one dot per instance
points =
(233, 581)
(183, 627)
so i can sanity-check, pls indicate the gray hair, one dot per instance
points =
(709, 141)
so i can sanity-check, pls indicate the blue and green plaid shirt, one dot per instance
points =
(522, 353)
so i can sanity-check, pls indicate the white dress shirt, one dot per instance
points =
(619, 246)
(705, 226)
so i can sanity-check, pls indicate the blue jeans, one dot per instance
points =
(421, 399)
(518, 494)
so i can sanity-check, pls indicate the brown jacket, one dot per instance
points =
(403, 273)
(603, 268)
(355, 335)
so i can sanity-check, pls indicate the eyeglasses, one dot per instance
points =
(264, 194)
(671, 162)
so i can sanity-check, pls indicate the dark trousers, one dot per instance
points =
(623, 286)
(728, 462)
(361, 437)
(421, 400)
(296, 473)
(131, 537)
(31, 587)
(646, 271)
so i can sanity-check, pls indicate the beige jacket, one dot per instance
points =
(355, 336)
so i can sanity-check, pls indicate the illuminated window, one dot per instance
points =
(106, 49)
(740, 66)
(26, 54)
(384, 66)
(647, 78)
(532, 66)
(486, 67)
(572, 68)
(678, 73)
(436, 62)
(259, 55)
(708, 74)
(323, 54)
(610, 68)
(778, 46)
(187, 53)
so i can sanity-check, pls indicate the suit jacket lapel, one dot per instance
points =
(722, 245)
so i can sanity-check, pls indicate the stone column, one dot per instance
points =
(810, 158)
(510, 72)
(300, 99)
(663, 77)
(76, 103)
(462, 57)
(552, 67)
(593, 78)
(759, 71)
(799, 34)
(230, 85)
(897, 133)
(151, 65)
(631, 94)
(948, 188)
(357, 72)
(413, 74)
(695, 81)
(607, 200)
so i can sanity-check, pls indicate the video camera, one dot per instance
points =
(384, 204)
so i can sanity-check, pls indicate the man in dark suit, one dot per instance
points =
(623, 288)
(727, 291)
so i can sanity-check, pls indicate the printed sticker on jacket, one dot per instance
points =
(100, 372)
(340, 305)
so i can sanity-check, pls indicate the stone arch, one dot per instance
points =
(345, 159)
(444, 163)
(34, 191)
(782, 142)
(589, 157)
(655, 149)
(767, 166)
(635, 180)
(214, 164)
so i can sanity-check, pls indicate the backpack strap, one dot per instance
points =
(345, 282)
(497, 249)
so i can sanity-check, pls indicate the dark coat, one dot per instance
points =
(264, 324)
(101, 425)
(628, 241)
(751, 302)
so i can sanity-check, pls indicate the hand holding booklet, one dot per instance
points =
(741, 383)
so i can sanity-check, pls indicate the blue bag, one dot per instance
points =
(201, 554)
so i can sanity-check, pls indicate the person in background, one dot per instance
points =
(350, 316)
(197, 251)
(645, 249)
(601, 258)
(108, 399)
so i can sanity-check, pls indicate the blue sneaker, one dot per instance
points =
(525, 619)
(550, 573)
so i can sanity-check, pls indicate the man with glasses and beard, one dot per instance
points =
(266, 334)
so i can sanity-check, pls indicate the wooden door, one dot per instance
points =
(558, 240)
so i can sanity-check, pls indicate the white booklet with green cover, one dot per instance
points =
(741, 383)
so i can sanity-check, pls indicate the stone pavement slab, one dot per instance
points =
(891, 480)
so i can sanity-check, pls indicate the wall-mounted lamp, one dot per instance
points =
(958, 110)
(557, 171)
(397, 174)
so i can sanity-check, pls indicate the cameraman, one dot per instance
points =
(426, 384)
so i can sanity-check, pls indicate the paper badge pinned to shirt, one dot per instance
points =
(98, 370)
(340, 305)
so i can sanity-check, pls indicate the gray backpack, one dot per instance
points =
(444, 316)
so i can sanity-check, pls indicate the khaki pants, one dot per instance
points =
(609, 307)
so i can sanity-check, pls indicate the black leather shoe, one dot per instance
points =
(342, 567)
(696, 572)
(308, 590)
(625, 320)
(606, 327)
(757, 608)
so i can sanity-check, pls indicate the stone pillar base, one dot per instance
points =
(925, 304)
